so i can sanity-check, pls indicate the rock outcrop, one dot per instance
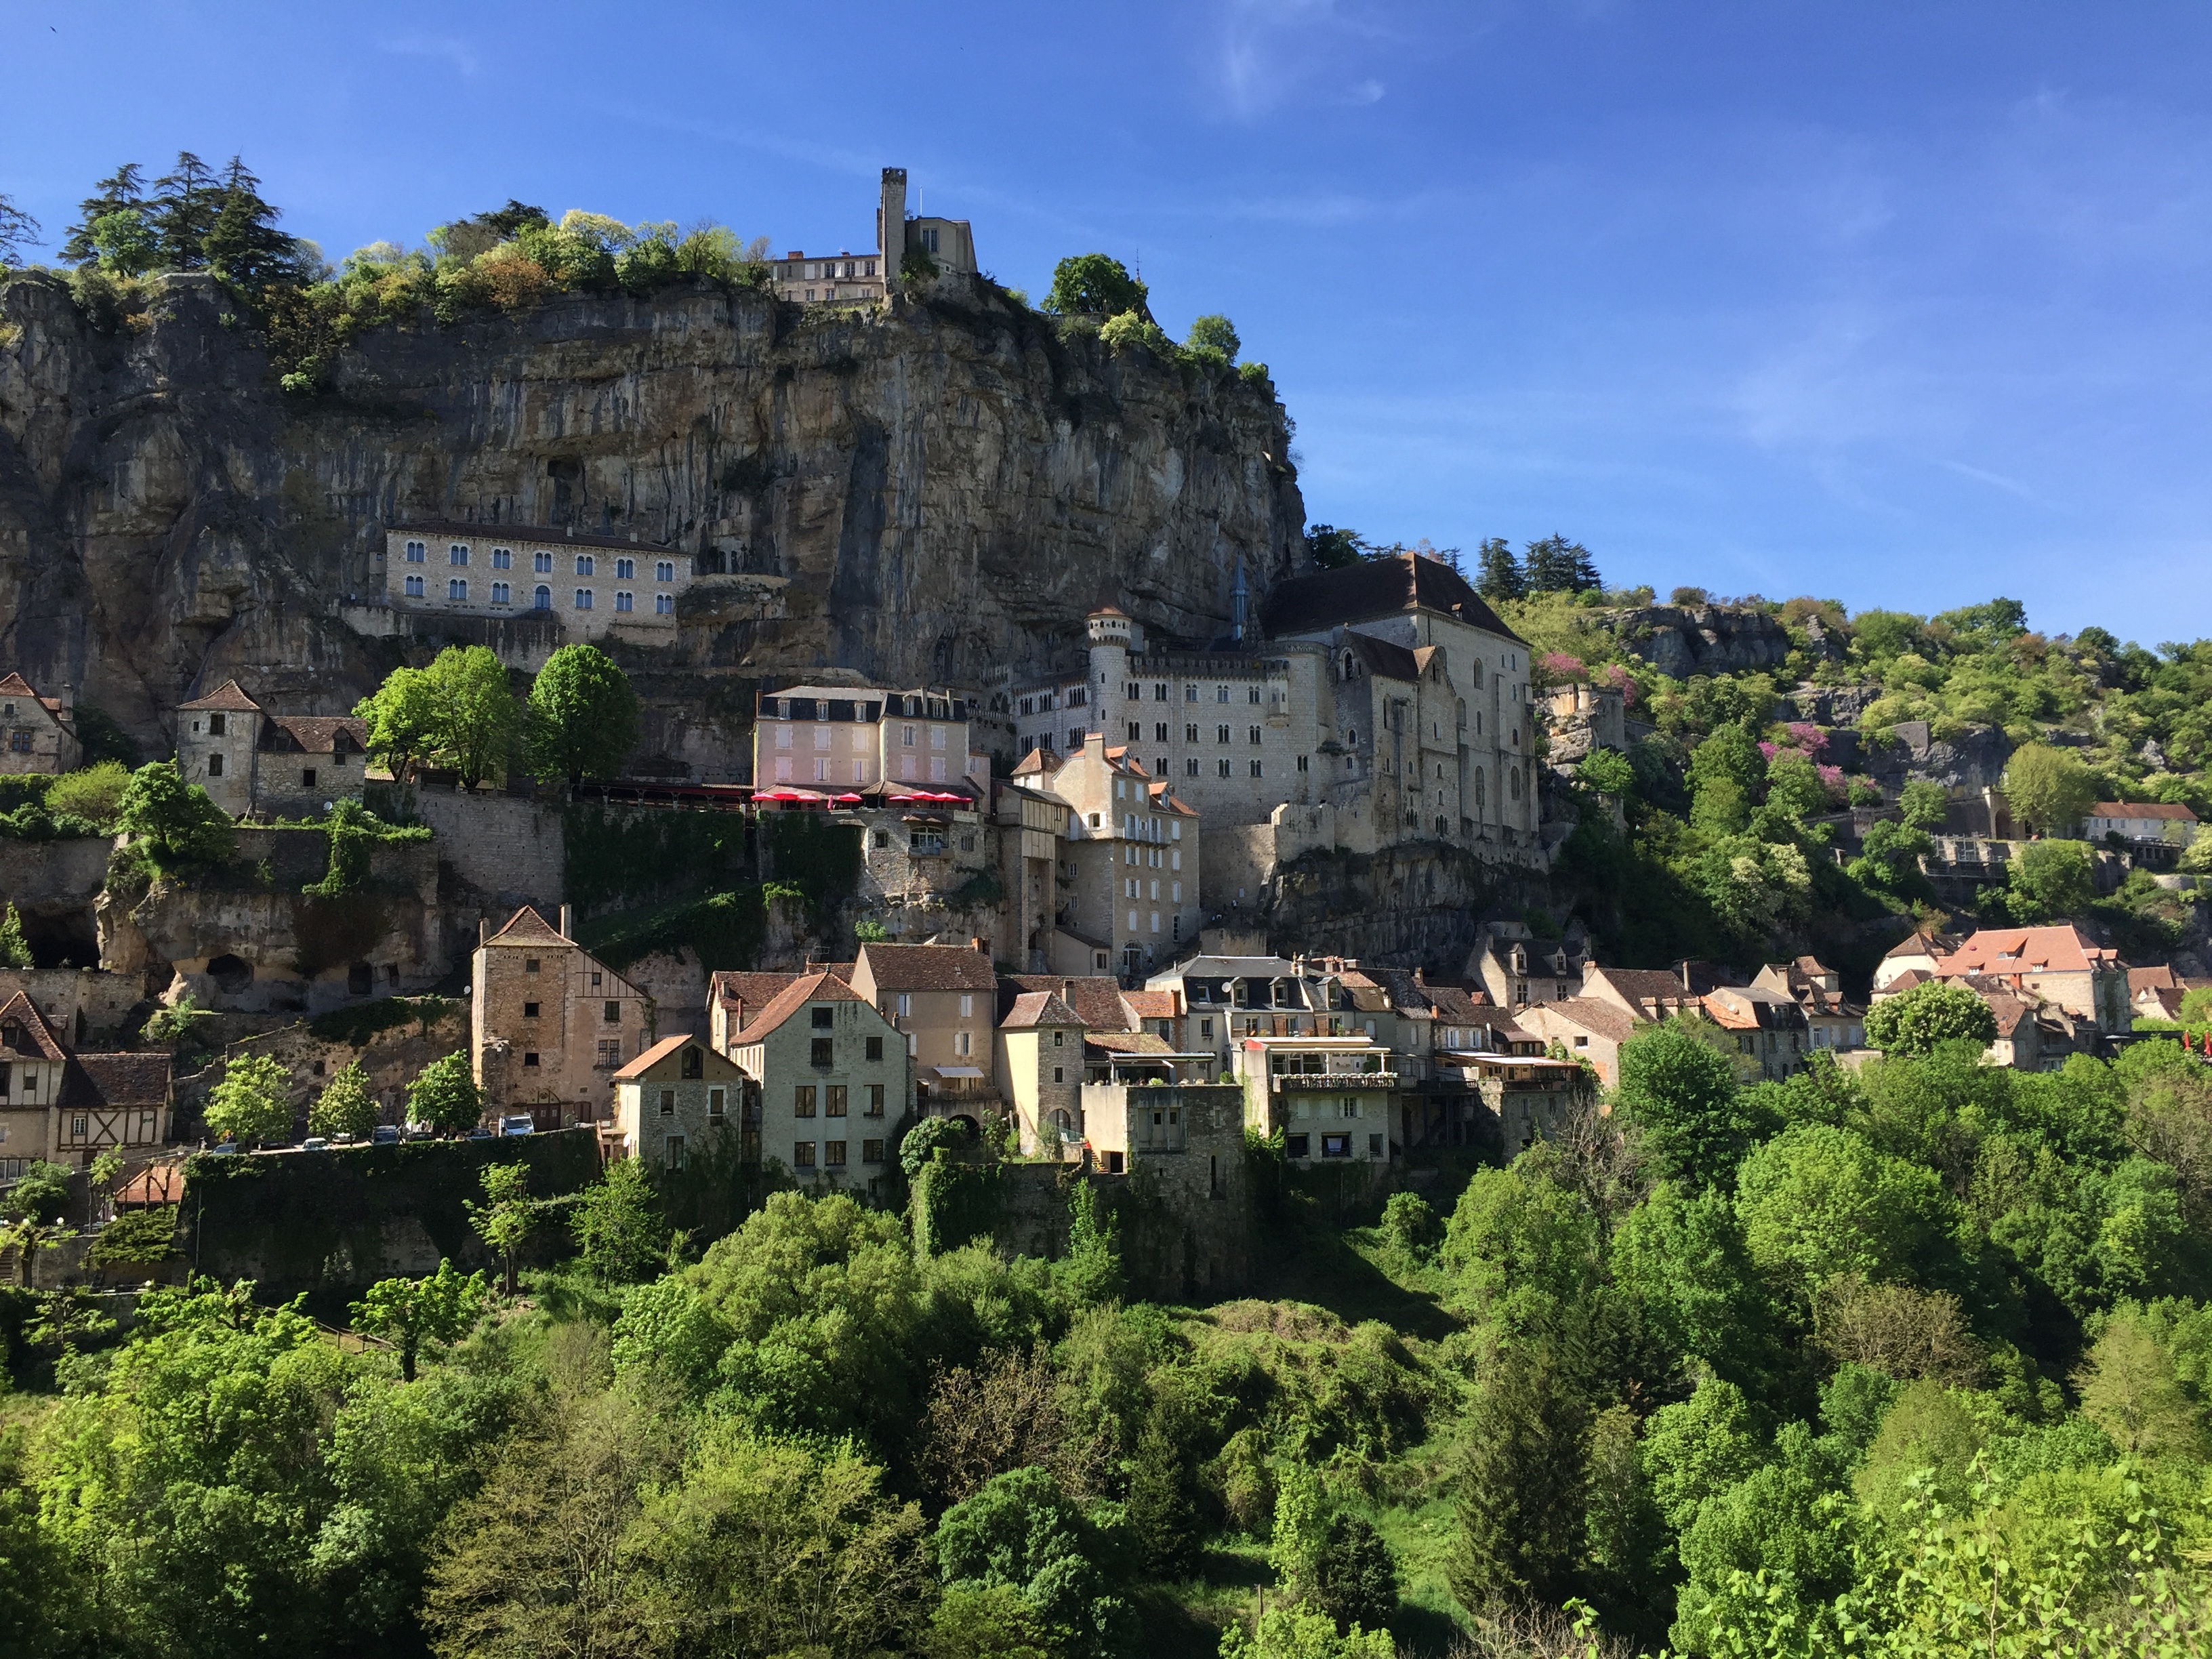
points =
(937, 490)
(1681, 641)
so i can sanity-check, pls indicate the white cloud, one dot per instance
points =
(443, 47)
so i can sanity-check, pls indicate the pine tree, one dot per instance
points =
(119, 192)
(187, 202)
(244, 245)
(1586, 579)
(1521, 1500)
(16, 227)
(1500, 577)
(1549, 566)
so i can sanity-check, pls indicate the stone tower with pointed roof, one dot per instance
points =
(251, 761)
(551, 1024)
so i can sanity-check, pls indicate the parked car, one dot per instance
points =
(478, 1134)
(225, 1149)
(518, 1124)
(384, 1134)
(314, 1144)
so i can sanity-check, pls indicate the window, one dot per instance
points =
(306, 777)
(1056, 1073)
(1336, 1145)
(623, 602)
(1221, 693)
(664, 605)
(458, 588)
(625, 570)
(1136, 731)
(1374, 1145)
(668, 1102)
(502, 558)
(833, 1104)
(875, 1050)
(541, 564)
(414, 586)
(530, 1060)
(542, 598)
(802, 1154)
(530, 1011)
(822, 1052)
(1255, 769)
(718, 1102)
(967, 1005)
(1224, 769)
(585, 564)
(832, 1154)
(530, 964)
(823, 1018)
(1297, 1145)
(611, 1013)
(215, 766)
(1221, 734)
(1190, 766)
(802, 1101)
(872, 1151)
(610, 1053)
(905, 1005)
(960, 1042)
(1252, 735)
(875, 1100)
(501, 593)
(583, 599)
(416, 553)
(664, 571)
(676, 1151)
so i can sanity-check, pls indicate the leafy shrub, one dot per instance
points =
(94, 795)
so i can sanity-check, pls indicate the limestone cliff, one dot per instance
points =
(937, 490)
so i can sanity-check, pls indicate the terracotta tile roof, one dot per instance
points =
(818, 986)
(157, 1183)
(1096, 998)
(1595, 1015)
(1373, 588)
(928, 968)
(2159, 978)
(2142, 809)
(27, 1032)
(1127, 1042)
(660, 1051)
(1035, 1008)
(1923, 944)
(1744, 1008)
(125, 1080)
(527, 927)
(2166, 999)
(1149, 1004)
(2024, 950)
(2010, 1011)
(14, 685)
(315, 734)
(734, 988)
(228, 696)
(1911, 977)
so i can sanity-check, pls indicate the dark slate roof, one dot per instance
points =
(1373, 588)
(315, 734)
(126, 1080)
(1382, 658)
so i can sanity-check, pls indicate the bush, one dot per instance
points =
(94, 794)
(41, 1193)
(173, 823)
(1410, 1224)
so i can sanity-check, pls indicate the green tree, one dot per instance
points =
(1334, 548)
(1095, 284)
(2130, 1389)
(345, 1107)
(1355, 1575)
(504, 1219)
(582, 720)
(617, 1226)
(1410, 1222)
(39, 1195)
(93, 792)
(15, 949)
(444, 1097)
(1923, 804)
(1818, 1201)
(1520, 1496)
(1889, 859)
(1500, 576)
(1092, 1269)
(2048, 789)
(1730, 752)
(1683, 1093)
(410, 1312)
(2051, 880)
(124, 244)
(1022, 1531)
(173, 823)
(16, 229)
(1213, 334)
(405, 719)
(1933, 1012)
(1793, 786)
(187, 202)
(243, 244)
(1300, 1632)
(997, 1623)
(1697, 1448)
(478, 717)
(253, 1102)
(123, 191)
(176, 1023)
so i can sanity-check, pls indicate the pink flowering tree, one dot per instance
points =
(1558, 668)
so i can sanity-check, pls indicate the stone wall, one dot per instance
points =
(506, 848)
(340, 1220)
(392, 1055)
(52, 885)
(90, 1009)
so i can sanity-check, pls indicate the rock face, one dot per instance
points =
(1681, 641)
(936, 491)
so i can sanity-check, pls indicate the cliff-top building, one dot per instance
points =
(849, 278)
(587, 585)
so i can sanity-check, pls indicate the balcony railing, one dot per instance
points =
(1283, 1082)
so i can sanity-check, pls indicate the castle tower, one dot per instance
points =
(1239, 598)
(1110, 632)
(891, 224)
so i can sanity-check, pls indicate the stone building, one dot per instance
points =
(1040, 1065)
(256, 764)
(1330, 1097)
(1588, 1028)
(40, 731)
(2057, 965)
(1130, 866)
(1031, 825)
(1517, 968)
(831, 1077)
(942, 1000)
(1222, 999)
(1766, 1026)
(586, 585)
(1389, 692)
(1832, 1021)
(67, 1107)
(675, 1099)
(551, 1024)
(1527, 1095)
(849, 278)
(832, 739)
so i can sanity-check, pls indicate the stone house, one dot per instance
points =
(2141, 820)
(66, 1108)
(1831, 1020)
(1330, 1097)
(2058, 964)
(674, 1100)
(1766, 1025)
(1041, 1070)
(549, 1024)
(735, 997)
(943, 1000)
(1516, 968)
(1223, 999)
(1031, 826)
(1647, 993)
(1917, 952)
(1588, 1028)
(40, 731)
(255, 764)
(832, 1079)
(1527, 1096)
(1129, 864)
(841, 740)
(586, 585)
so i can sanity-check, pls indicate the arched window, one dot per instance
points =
(1481, 792)
(1478, 674)
(543, 599)
(1462, 714)
(583, 564)
(1348, 667)
(458, 588)
(1513, 778)
(583, 599)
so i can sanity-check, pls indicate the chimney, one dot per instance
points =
(983, 945)
(564, 921)
(483, 932)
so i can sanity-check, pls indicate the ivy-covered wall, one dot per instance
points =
(344, 1218)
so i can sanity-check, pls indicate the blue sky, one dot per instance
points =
(1904, 304)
